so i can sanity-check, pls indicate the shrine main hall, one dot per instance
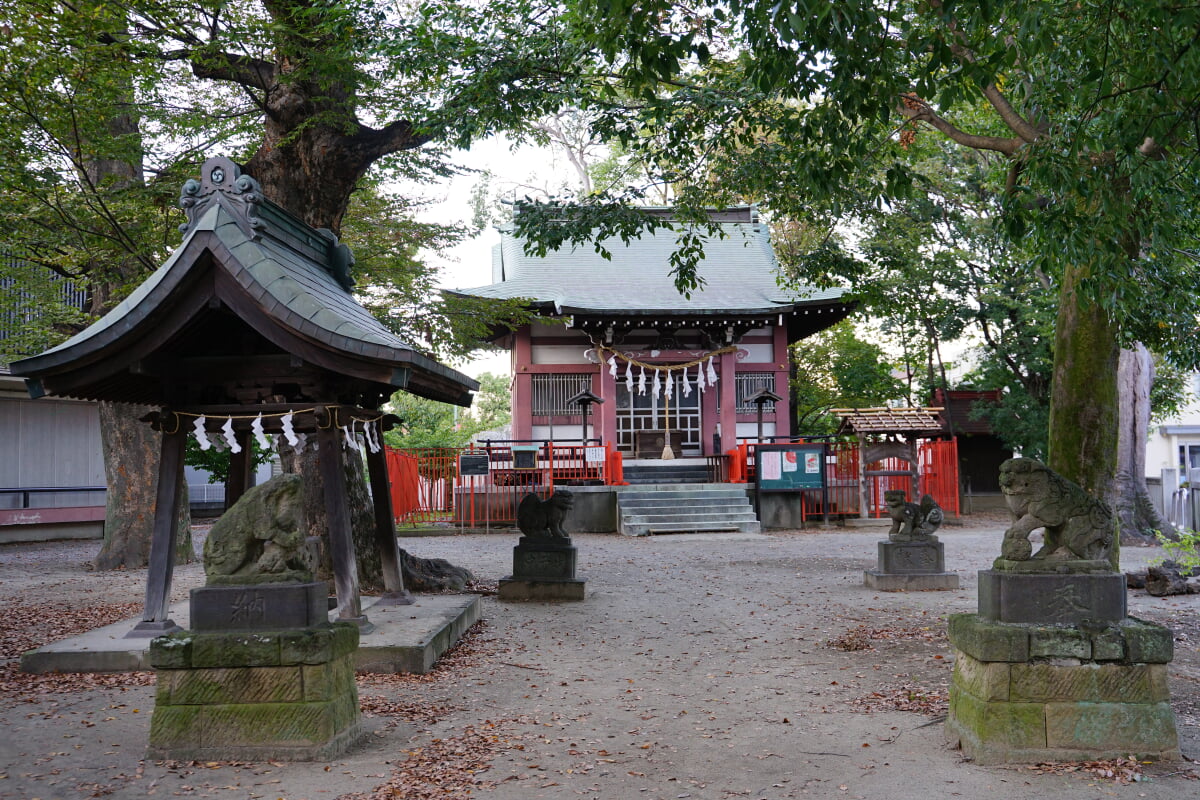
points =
(664, 366)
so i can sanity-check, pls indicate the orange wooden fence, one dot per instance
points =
(427, 486)
(937, 471)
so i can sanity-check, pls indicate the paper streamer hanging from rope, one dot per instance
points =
(289, 433)
(687, 386)
(629, 377)
(670, 382)
(642, 381)
(260, 435)
(227, 429)
(712, 374)
(348, 432)
(657, 385)
(371, 435)
(200, 434)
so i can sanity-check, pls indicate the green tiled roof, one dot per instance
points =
(740, 275)
(283, 265)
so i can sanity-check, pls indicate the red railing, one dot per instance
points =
(423, 481)
(937, 476)
(427, 486)
(939, 473)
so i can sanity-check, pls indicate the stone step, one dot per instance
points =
(705, 508)
(675, 504)
(722, 515)
(679, 493)
(686, 527)
(679, 473)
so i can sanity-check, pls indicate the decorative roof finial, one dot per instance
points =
(221, 178)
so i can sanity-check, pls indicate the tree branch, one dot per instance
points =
(252, 73)
(393, 138)
(1011, 118)
(915, 109)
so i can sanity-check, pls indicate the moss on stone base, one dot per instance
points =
(296, 698)
(1007, 712)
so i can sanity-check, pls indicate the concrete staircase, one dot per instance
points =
(691, 508)
(654, 474)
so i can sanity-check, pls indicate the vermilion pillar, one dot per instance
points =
(727, 386)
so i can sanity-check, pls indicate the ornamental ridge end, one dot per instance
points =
(221, 180)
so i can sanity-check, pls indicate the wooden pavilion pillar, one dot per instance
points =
(156, 615)
(337, 514)
(385, 532)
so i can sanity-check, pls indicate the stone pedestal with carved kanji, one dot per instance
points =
(918, 564)
(543, 570)
(1051, 668)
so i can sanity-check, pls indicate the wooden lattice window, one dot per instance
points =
(551, 393)
(750, 384)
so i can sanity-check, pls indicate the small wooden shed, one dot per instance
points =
(891, 437)
(249, 328)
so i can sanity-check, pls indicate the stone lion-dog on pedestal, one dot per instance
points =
(1077, 525)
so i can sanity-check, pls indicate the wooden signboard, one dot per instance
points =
(789, 467)
(473, 464)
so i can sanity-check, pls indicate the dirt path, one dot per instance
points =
(697, 668)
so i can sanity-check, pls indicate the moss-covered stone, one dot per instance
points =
(326, 681)
(1002, 725)
(987, 680)
(1147, 643)
(244, 649)
(345, 639)
(1108, 645)
(175, 726)
(989, 641)
(237, 685)
(171, 652)
(1112, 728)
(1059, 642)
(258, 724)
(307, 646)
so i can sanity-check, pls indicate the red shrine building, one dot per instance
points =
(668, 368)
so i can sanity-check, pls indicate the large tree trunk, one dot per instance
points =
(132, 450)
(1084, 400)
(1136, 515)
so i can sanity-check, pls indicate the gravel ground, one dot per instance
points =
(698, 667)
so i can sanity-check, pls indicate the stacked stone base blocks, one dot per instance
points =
(256, 694)
(1081, 689)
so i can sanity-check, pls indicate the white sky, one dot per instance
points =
(515, 172)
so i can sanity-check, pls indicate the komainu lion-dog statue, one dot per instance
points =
(912, 520)
(543, 519)
(1077, 525)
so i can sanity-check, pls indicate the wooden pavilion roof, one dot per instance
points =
(907, 421)
(253, 307)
